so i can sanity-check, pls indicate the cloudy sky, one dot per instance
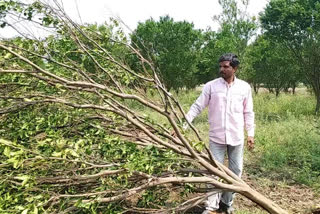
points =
(200, 12)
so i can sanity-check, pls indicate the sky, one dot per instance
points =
(200, 12)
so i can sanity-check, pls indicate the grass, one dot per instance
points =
(287, 137)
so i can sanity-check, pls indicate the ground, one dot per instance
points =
(296, 199)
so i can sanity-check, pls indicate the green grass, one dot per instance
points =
(287, 137)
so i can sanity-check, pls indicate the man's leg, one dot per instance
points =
(218, 151)
(235, 157)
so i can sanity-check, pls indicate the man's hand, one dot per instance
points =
(250, 142)
(173, 133)
(185, 126)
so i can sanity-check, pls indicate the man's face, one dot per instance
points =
(226, 70)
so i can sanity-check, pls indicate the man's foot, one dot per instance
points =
(210, 212)
(223, 208)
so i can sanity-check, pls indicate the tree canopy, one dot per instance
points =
(296, 25)
(270, 65)
(173, 47)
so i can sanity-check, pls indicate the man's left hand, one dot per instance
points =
(250, 142)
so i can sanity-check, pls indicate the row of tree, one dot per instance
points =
(284, 54)
(280, 57)
(187, 57)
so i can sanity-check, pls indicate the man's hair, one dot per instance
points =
(232, 58)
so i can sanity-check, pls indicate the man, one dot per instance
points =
(230, 106)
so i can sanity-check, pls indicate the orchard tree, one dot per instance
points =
(296, 25)
(173, 47)
(235, 31)
(236, 25)
(87, 139)
(267, 63)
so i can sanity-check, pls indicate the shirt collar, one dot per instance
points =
(235, 80)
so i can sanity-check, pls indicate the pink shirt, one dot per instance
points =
(230, 110)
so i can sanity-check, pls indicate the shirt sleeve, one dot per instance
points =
(199, 104)
(249, 114)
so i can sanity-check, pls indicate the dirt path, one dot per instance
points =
(294, 198)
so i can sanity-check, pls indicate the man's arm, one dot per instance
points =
(199, 104)
(249, 119)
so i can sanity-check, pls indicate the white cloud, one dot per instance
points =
(133, 11)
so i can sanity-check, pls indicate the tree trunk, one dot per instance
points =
(316, 89)
(318, 103)
(255, 87)
(264, 202)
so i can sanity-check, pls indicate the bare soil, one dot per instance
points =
(298, 199)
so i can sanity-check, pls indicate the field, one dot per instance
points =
(285, 164)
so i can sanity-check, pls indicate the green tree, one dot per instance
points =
(236, 25)
(235, 31)
(173, 47)
(267, 63)
(296, 24)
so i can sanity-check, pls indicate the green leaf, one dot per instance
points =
(7, 151)
(23, 178)
(35, 210)
(25, 211)
(15, 162)
(72, 152)
(57, 154)
(27, 100)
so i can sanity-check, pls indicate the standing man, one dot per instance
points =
(230, 106)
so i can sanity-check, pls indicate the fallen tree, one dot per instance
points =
(85, 67)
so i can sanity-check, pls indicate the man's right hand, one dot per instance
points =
(250, 142)
(173, 134)
(185, 126)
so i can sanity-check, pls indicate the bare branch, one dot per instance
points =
(161, 181)
(16, 71)
(56, 180)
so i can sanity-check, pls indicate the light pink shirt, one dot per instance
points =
(230, 110)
